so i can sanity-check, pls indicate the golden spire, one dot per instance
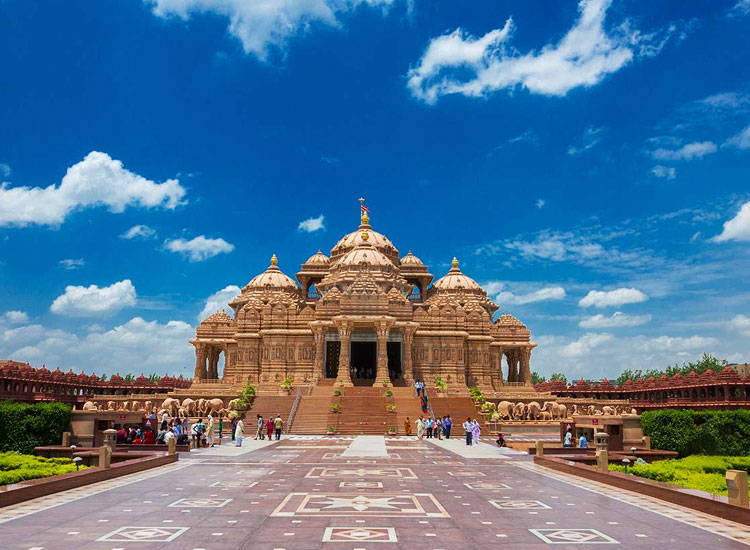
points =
(365, 235)
(364, 212)
(274, 260)
(454, 263)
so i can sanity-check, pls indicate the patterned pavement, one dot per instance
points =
(307, 493)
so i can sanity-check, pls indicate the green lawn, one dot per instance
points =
(16, 467)
(705, 473)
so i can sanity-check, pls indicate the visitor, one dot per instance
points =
(164, 418)
(234, 426)
(439, 428)
(418, 386)
(420, 428)
(269, 428)
(197, 432)
(131, 435)
(160, 437)
(407, 426)
(501, 440)
(210, 431)
(568, 441)
(137, 441)
(169, 434)
(447, 425)
(424, 402)
(259, 432)
(467, 428)
(278, 424)
(122, 435)
(149, 437)
(429, 425)
(475, 431)
(221, 429)
(239, 431)
(186, 431)
(583, 443)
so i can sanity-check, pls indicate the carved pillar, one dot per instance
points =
(525, 370)
(381, 329)
(512, 365)
(408, 367)
(345, 335)
(200, 362)
(319, 365)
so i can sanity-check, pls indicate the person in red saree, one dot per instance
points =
(269, 427)
(148, 437)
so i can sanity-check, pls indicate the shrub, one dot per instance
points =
(27, 426)
(16, 467)
(391, 408)
(337, 392)
(287, 383)
(440, 383)
(388, 393)
(687, 432)
(488, 407)
(335, 407)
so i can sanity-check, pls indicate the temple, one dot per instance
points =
(362, 315)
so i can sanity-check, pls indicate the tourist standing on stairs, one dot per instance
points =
(259, 431)
(447, 425)
(418, 386)
(468, 426)
(278, 424)
(239, 431)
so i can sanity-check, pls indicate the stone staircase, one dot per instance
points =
(363, 411)
(313, 414)
(407, 404)
(268, 405)
(459, 407)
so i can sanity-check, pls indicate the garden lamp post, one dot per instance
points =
(77, 460)
(626, 461)
(72, 450)
(633, 450)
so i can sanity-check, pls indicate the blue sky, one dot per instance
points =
(588, 163)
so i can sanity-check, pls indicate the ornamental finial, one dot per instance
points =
(454, 263)
(365, 235)
(365, 212)
(274, 260)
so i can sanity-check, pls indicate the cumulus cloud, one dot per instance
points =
(139, 232)
(591, 137)
(740, 323)
(5, 170)
(460, 63)
(616, 320)
(95, 301)
(741, 140)
(98, 180)
(70, 263)
(740, 9)
(507, 297)
(261, 25)
(16, 317)
(737, 228)
(310, 225)
(665, 172)
(218, 301)
(198, 249)
(678, 343)
(689, 151)
(133, 347)
(612, 298)
(585, 344)
(540, 203)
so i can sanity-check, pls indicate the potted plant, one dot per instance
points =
(331, 430)
(386, 383)
(335, 407)
(392, 430)
(440, 384)
(287, 385)
(388, 393)
(391, 408)
(337, 392)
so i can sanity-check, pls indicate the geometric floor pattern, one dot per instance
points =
(288, 496)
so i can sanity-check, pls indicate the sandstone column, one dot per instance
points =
(408, 368)
(345, 334)
(319, 366)
(381, 329)
(200, 362)
(525, 371)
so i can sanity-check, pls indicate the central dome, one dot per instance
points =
(354, 239)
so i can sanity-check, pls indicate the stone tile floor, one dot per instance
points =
(306, 493)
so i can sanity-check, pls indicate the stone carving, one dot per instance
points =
(111, 405)
(532, 410)
(200, 406)
(505, 410)
(171, 405)
(608, 411)
(189, 405)
(519, 411)
(545, 415)
(562, 411)
(235, 404)
(90, 406)
(213, 406)
(148, 406)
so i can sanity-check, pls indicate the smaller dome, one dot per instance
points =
(410, 260)
(272, 277)
(456, 280)
(364, 254)
(317, 259)
(218, 317)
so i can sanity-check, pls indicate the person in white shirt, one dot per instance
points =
(164, 418)
(169, 435)
(468, 427)
(420, 428)
(239, 432)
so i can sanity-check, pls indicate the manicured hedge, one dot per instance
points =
(689, 432)
(23, 427)
(15, 467)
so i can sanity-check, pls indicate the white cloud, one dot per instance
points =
(666, 172)
(740, 323)
(98, 180)
(612, 298)
(460, 63)
(507, 297)
(617, 319)
(591, 137)
(262, 24)
(218, 301)
(5, 170)
(741, 8)
(139, 232)
(690, 151)
(585, 344)
(738, 228)
(311, 225)
(678, 343)
(741, 140)
(95, 301)
(16, 317)
(70, 264)
(540, 203)
(198, 249)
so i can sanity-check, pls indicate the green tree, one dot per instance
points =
(154, 377)
(129, 378)
(558, 376)
(537, 378)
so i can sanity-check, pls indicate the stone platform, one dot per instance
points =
(348, 493)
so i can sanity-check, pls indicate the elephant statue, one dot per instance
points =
(136, 406)
(552, 407)
(148, 406)
(519, 411)
(189, 405)
(182, 413)
(591, 410)
(532, 410)
(608, 411)
(111, 405)
(125, 405)
(200, 407)
(598, 412)
(171, 405)
(562, 410)
(213, 405)
(90, 406)
(545, 415)
(505, 410)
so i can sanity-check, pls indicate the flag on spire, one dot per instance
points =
(362, 207)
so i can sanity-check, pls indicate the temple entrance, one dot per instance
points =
(332, 359)
(364, 361)
(394, 361)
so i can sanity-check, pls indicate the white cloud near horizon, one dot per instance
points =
(81, 301)
(15, 317)
(736, 228)
(612, 298)
(689, 151)
(459, 63)
(506, 297)
(310, 225)
(199, 248)
(740, 323)
(261, 25)
(219, 301)
(139, 232)
(616, 320)
(97, 180)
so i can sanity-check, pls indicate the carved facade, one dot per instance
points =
(364, 313)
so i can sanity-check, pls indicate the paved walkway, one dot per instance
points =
(308, 493)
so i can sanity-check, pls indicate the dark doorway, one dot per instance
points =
(394, 360)
(332, 359)
(364, 360)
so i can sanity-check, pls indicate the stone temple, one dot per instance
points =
(363, 315)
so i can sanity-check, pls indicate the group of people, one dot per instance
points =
(202, 434)
(431, 427)
(135, 435)
(583, 442)
(473, 431)
(272, 426)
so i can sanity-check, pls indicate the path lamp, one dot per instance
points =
(625, 462)
(77, 460)
(633, 450)
(72, 450)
